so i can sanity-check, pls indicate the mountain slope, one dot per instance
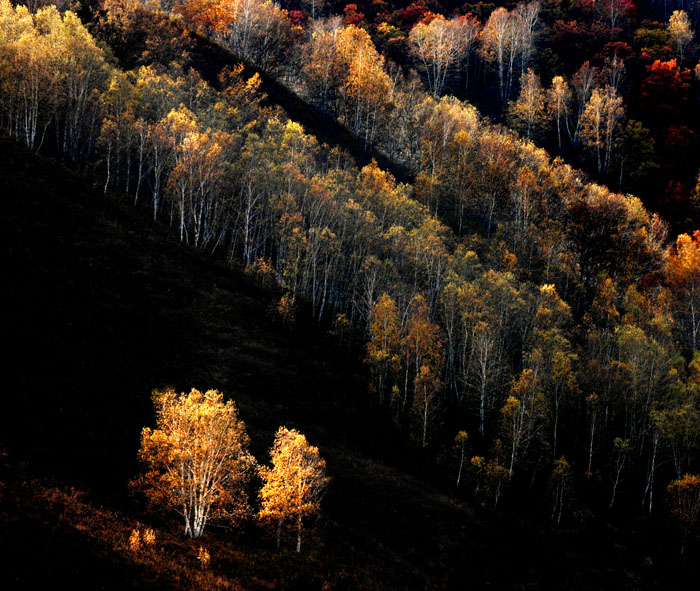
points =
(102, 306)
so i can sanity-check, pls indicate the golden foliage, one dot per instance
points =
(680, 30)
(285, 308)
(383, 346)
(204, 557)
(197, 459)
(135, 541)
(294, 485)
(263, 270)
(684, 502)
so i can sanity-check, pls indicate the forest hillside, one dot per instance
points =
(97, 273)
(349, 232)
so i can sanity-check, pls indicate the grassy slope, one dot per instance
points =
(102, 306)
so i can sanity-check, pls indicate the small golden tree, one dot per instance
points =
(197, 459)
(684, 502)
(528, 112)
(383, 346)
(680, 30)
(293, 486)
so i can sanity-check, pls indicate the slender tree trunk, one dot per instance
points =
(461, 464)
(299, 534)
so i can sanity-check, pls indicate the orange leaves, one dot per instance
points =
(343, 60)
(203, 557)
(685, 498)
(424, 356)
(384, 331)
(214, 15)
(684, 502)
(141, 540)
(197, 462)
(197, 458)
(365, 66)
(285, 308)
(683, 261)
(295, 483)
(682, 273)
(422, 340)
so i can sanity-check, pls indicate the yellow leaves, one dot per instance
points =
(296, 145)
(139, 540)
(135, 541)
(285, 308)
(562, 468)
(549, 290)
(559, 91)
(293, 486)
(511, 407)
(360, 67)
(14, 22)
(600, 123)
(55, 68)
(384, 330)
(390, 31)
(683, 261)
(494, 35)
(440, 44)
(199, 445)
(149, 537)
(680, 30)
(528, 111)
(180, 122)
(461, 438)
(551, 310)
(352, 41)
(203, 557)
(253, 83)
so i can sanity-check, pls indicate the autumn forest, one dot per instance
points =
(327, 295)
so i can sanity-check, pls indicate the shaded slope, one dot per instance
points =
(102, 306)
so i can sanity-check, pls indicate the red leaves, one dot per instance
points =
(665, 92)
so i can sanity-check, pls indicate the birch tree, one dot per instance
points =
(680, 31)
(440, 46)
(558, 102)
(196, 459)
(600, 124)
(294, 485)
